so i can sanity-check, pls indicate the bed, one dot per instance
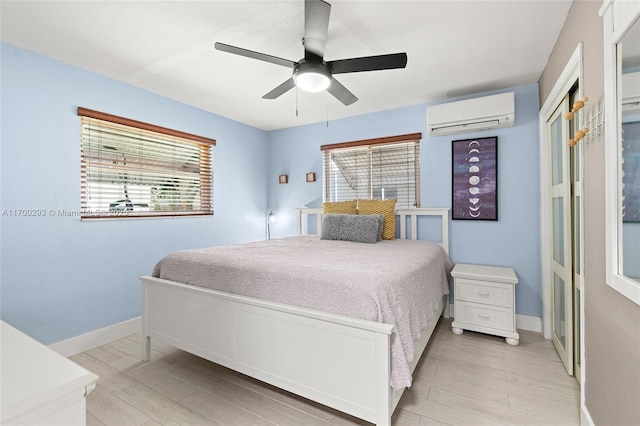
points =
(337, 354)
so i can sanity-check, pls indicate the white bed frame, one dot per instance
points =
(335, 360)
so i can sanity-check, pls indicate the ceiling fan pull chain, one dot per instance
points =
(327, 104)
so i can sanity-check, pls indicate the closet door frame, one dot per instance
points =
(572, 72)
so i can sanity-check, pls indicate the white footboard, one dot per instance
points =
(338, 361)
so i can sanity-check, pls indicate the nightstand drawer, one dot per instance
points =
(471, 313)
(481, 292)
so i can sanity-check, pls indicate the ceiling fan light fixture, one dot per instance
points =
(312, 82)
(312, 77)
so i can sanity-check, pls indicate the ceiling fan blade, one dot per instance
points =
(283, 88)
(254, 55)
(369, 63)
(341, 93)
(316, 26)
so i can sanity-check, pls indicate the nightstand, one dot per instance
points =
(485, 301)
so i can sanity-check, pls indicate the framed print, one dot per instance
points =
(283, 179)
(475, 179)
(311, 177)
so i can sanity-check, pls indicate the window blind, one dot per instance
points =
(130, 171)
(383, 168)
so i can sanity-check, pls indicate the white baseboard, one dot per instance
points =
(585, 417)
(529, 323)
(523, 322)
(96, 338)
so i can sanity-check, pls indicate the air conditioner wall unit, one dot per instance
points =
(484, 113)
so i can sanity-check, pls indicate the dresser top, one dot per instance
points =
(34, 375)
(485, 273)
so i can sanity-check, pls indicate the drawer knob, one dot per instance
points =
(483, 293)
(485, 316)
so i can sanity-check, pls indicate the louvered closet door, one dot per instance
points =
(561, 252)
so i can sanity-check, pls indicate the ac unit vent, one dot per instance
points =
(484, 113)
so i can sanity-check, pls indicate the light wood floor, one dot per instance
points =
(472, 379)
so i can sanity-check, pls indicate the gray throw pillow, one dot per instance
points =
(380, 224)
(351, 227)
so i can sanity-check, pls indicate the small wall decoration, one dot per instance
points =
(283, 179)
(311, 177)
(475, 179)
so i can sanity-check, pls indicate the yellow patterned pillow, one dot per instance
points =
(387, 208)
(345, 207)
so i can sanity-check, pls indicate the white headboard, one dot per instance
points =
(402, 213)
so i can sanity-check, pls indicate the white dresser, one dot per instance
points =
(485, 300)
(38, 385)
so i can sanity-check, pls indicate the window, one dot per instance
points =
(134, 169)
(381, 168)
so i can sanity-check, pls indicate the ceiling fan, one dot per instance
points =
(312, 73)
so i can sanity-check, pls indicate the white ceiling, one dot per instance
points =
(454, 48)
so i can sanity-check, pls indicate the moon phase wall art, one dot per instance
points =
(475, 179)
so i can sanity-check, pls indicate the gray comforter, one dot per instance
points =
(397, 282)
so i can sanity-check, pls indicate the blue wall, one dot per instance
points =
(514, 240)
(62, 277)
